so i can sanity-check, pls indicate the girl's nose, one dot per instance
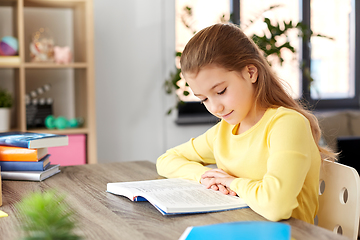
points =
(216, 107)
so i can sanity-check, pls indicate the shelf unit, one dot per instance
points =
(80, 72)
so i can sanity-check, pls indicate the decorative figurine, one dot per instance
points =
(62, 54)
(42, 46)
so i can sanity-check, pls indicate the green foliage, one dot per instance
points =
(46, 216)
(268, 44)
(171, 85)
(171, 82)
(5, 99)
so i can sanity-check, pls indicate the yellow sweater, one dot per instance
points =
(276, 162)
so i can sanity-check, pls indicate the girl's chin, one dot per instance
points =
(231, 122)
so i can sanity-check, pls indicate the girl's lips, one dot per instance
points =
(227, 115)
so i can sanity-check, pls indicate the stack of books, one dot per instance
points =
(24, 155)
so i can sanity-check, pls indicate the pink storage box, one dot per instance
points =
(72, 154)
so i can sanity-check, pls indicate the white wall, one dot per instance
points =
(134, 52)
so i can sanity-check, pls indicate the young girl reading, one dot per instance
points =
(265, 146)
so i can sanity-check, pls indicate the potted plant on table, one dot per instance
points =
(46, 216)
(6, 103)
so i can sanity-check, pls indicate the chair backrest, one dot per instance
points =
(339, 201)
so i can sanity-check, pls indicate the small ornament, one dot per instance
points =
(9, 46)
(42, 46)
(61, 122)
(62, 54)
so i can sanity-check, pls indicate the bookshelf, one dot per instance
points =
(71, 23)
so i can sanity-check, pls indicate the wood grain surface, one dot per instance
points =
(101, 215)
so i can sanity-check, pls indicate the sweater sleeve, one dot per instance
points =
(188, 160)
(275, 195)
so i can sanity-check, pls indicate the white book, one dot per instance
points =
(176, 196)
(31, 175)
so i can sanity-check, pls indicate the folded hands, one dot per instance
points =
(218, 180)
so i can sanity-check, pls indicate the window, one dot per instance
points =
(196, 14)
(251, 10)
(192, 16)
(333, 64)
(331, 59)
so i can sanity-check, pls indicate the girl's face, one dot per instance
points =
(226, 94)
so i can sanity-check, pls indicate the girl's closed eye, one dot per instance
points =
(219, 93)
(222, 92)
(202, 101)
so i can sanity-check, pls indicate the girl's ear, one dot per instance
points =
(252, 73)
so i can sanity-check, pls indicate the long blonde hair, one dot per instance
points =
(226, 46)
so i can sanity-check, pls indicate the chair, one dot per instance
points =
(339, 199)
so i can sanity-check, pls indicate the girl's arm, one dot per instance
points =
(188, 160)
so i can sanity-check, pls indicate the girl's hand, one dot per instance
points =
(218, 180)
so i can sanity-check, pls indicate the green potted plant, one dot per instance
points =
(6, 103)
(46, 216)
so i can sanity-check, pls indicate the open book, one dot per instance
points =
(176, 196)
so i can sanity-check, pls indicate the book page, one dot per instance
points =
(181, 194)
(194, 197)
(161, 185)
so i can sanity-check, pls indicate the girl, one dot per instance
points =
(265, 146)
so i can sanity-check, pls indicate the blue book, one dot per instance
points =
(252, 230)
(41, 165)
(33, 140)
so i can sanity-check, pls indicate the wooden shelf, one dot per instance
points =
(43, 65)
(62, 131)
(56, 131)
(9, 65)
(74, 81)
(54, 65)
(54, 3)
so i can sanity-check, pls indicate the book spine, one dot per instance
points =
(22, 166)
(25, 166)
(10, 143)
(18, 154)
(31, 175)
(20, 176)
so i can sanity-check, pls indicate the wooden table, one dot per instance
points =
(102, 215)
